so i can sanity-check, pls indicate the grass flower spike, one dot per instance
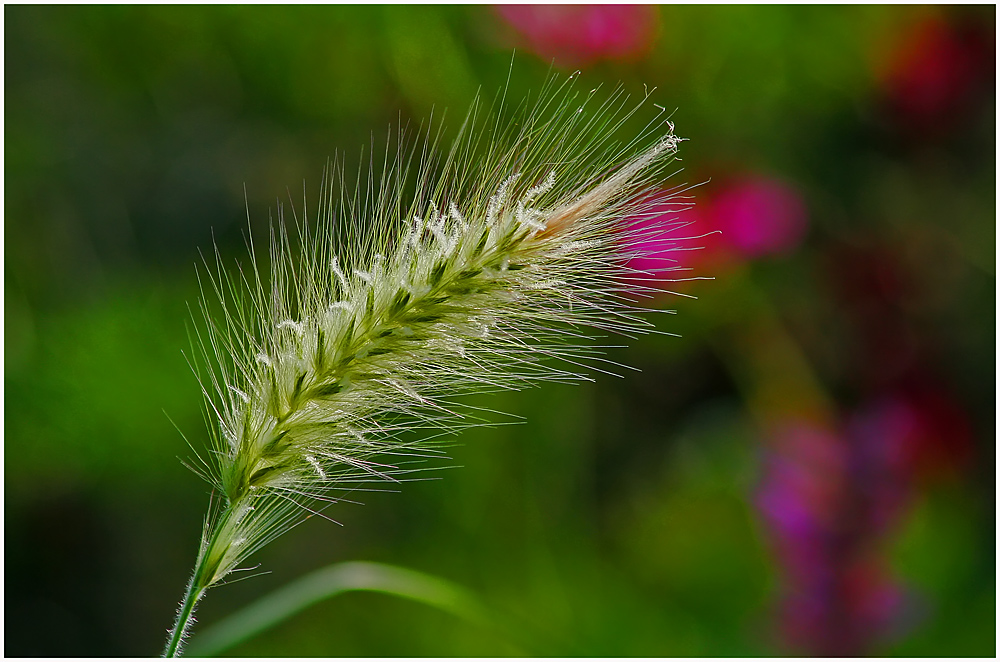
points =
(429, 279)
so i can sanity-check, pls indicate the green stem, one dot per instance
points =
(205, 571)
(184, 617)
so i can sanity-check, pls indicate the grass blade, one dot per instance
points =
(331, 581)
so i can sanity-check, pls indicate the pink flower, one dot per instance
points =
(576, 35)
(760, 216)
(668, 243)
(666, 237)
(935, 66)
(675, 239)
(919, 430)
(829, 499)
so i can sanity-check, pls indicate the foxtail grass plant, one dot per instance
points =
(498, 265)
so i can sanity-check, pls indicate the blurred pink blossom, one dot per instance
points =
(830, 499)
(929, 75)
(577, 35)
(669, 243)
(760, 216)
(667, 238)
(923, 431)
(679, 239)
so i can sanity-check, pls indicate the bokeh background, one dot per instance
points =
(808, 469)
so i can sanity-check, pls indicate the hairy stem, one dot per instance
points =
(211, 551)
(185, 619)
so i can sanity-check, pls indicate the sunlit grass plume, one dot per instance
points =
(496, 265)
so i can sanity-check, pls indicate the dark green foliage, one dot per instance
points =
(327, 390)
(319, 356)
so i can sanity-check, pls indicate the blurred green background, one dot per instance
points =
(809, 468)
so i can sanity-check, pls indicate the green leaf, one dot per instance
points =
(329, 582)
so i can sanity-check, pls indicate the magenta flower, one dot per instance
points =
(932, 72)
(672, 241)
(760, 216)
(830, 498)
(752, 218)
(668, 238)
(576, 35)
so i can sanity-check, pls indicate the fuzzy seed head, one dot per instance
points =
(476, 274)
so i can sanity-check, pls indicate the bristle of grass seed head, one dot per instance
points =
(482, 271)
